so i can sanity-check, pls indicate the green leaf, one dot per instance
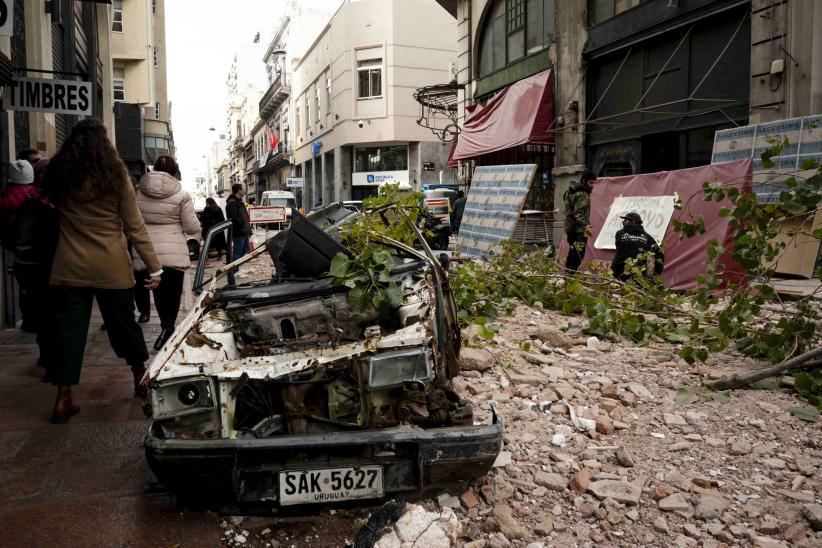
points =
(809, 164)
(807, 413)
(722, 397)
(803, 383)
(686, 397)
(766, 384)
(339, 266)
(394, 293)
(687, 354)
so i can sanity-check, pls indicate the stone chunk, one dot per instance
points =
(544, 527)
(604, 425)
(554, 337)
(508, 526)
(739, 447)
(469, 500)
(710, 508)
(624, 457)
(813, 513)
(620, 491)
(555, 482)
(581, 480)
(674, 420)
(476, 359)
(674, 503)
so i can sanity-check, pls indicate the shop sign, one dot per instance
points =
(656, 212)
(294, 182)
(428, 166)
(55, 96)
(6, 17)
(376, 178)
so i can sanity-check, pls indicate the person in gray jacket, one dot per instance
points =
(168, 212)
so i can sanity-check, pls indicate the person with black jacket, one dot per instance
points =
(236, 212)
(211, 216)
(631, 242)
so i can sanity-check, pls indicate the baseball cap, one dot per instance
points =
(633, 216)
(21, 172)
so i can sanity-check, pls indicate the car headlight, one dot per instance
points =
(391, 369)
(180, 397)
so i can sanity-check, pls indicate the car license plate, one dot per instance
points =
(330, 485)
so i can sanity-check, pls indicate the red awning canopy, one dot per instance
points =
(520, 114)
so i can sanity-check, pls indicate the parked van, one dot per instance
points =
(280, 198)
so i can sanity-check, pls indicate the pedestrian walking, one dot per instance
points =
(236, 212)
(20, 206)
(168, 212)
(578, 219)
(88, 183)
(634, 244)
(211, 216)
(457, 211)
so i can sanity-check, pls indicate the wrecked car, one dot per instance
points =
(274, 392)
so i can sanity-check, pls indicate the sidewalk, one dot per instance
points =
(85, 483)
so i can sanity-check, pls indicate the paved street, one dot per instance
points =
(85, 483)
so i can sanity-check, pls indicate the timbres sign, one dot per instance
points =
(656, 212)
(55, 96)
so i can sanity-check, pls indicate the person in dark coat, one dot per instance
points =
(578, 219)
(237, 213)
(631, 242)
(457, 211)
(211, 216)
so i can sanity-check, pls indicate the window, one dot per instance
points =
(317, 95)
(388, 158)
(600, 10)
(118, 83)
(297, 119)
(157, 110)
(514, 29)
(117, 16)
(307, 112)
(327, 95)
(370, 77)
(156, 62)
(154, 7)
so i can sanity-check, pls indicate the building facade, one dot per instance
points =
(354, 115)
(638, 85)
(139, 81)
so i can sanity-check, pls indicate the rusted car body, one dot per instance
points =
(274, 393)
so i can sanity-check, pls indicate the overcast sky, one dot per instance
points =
(201, 37)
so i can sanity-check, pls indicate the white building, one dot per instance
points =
(354, 115)
(300, 25)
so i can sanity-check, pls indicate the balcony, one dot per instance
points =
(279, 157)
(276, 95)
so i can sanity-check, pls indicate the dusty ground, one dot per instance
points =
(652, 472)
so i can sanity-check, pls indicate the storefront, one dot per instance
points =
(376, 165)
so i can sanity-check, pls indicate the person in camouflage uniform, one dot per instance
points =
(578, 219)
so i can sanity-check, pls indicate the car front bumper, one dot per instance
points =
(246, 471)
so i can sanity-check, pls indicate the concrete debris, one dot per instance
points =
(597, 450)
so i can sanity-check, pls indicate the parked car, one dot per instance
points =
(274, 394)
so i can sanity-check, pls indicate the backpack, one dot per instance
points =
(32, 234)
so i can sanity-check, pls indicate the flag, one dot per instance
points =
(274, 141)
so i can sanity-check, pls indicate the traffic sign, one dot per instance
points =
(267, 214)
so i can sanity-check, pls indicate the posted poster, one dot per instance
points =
(656, 213)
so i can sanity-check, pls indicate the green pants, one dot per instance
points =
(73, 314)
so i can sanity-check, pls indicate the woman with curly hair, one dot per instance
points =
(90, 186)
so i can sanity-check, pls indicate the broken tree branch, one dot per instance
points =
(803, 361)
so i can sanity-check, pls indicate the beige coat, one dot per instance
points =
(91, 251)
(168, 212)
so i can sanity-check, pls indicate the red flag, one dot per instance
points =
(274, 141)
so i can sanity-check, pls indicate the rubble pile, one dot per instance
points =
(597, 450)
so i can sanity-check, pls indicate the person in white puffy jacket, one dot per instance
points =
(168, 212)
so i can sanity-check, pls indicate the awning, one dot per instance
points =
(522, 113)
(6, 70)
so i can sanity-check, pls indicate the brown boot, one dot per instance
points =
(64, 407)
(140, 388)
